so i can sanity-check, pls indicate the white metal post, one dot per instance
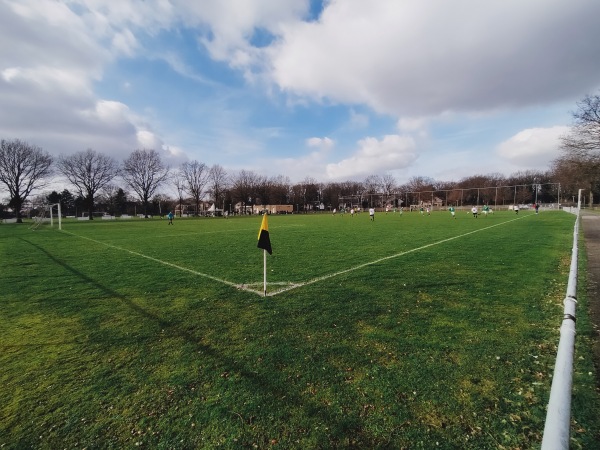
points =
(265, 272)
(52, 215)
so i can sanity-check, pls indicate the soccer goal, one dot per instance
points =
(47, 214)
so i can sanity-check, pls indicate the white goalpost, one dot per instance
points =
(59, 215)
(47, 214)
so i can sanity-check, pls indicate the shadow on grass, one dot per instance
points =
(269, 390)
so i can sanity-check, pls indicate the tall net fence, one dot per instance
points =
(499, 197)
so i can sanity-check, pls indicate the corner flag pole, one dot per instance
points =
(265, 266)
(264, 242)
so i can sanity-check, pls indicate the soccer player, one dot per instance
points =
(372, 213)
(474, 211)
(451, 209)
(170, 217)
(486, 209)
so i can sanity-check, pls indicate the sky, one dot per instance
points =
(333, 90)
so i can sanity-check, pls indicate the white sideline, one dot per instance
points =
(246, 287)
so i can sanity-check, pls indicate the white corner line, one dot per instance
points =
(291, 285)
(385, 258)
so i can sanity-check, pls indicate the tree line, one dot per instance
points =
(99, 180)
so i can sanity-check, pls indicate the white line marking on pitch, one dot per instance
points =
(385, 258)
(185, 269)
(291, 285)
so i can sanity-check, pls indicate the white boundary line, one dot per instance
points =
(185, 269)
(246, 287)
(385, 258)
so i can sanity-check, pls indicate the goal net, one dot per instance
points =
(47, 213)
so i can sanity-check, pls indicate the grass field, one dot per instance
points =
(406, 332)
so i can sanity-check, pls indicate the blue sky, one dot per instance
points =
(332, 90)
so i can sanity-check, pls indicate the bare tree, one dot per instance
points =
(372, 185)
(584, 137)
(195, 175)
(164, 203)
(415, 190)
(330, 194)
(581, 146)
(217, 183)
(107, 198)
(88, 172)
(243, 186)
(388, 186)
(297, 192)
(352, 193)
(311, 192)
(115, 199)
(23, 168)
(262, 190)
(280, 190)
(274, 190)
(144, 172)
(420, 184)
(388, 183)
(179, 183)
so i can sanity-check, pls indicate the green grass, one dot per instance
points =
(406, 332)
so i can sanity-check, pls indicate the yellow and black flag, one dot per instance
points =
(263, 236)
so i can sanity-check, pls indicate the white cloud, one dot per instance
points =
(111, 112)
(324, 143)
(51, 58)
(533, 147)
(409, 63)
(375, 156)
(47, 33)
(10, 73)
(48, 79)
(412, 125)
(311, 164)
(227, 27)
(415, 57)
(152, 16)
(125, 43)
(148, 140)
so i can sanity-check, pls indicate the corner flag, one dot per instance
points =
(263, 236)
